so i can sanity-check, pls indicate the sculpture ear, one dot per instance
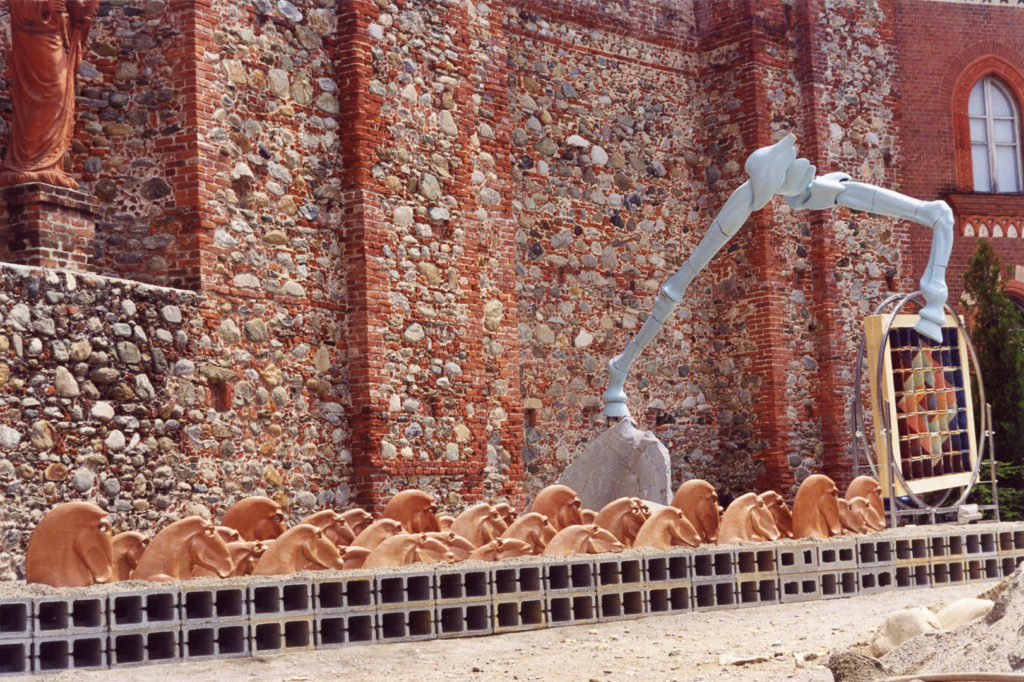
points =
(88, 545)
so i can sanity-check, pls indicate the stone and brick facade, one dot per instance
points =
(347, 247)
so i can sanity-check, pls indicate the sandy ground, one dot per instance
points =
(792, 641)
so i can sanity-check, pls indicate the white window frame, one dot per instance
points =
(987, 84)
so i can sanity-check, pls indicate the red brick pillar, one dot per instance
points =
(47, 226)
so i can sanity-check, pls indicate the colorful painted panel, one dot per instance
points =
(931, 405)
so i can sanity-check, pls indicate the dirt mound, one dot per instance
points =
(990, 644)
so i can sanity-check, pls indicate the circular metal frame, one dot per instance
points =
(860, 436)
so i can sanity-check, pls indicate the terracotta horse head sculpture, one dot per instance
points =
(128, 548)
(175, 551)
(255, 518)
(376, 533)
(699, 502)
(415, 510)
(404, 549)
(333, 525)
(298, 548)
(357, 519)
(667, 527)
(589, 539)
(532, 528)
(71, 547)
(560, 504)
(868, 488)
(479, 524)
(747, 519)
(502, 548)
(244, 555)
(780, 512)
(507, 513)
(816, 508)
(460, 547)
(623, 518)
(853, 515)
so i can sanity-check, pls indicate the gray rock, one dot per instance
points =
(83, 480)
(623, 462)
(65, 383)
(171, 314)
(256, 331)
(9, 438)
(115, 441)
(110, 487)
(20, 317)
(289, 11)
(102, 410)
(129, 353)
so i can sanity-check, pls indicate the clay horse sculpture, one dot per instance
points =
(699, 503)
(747, 519)
(178, 549)
(255, 518)
(560, 504)
(816, 508)
(71, 547)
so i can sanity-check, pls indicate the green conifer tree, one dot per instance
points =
(997, 330)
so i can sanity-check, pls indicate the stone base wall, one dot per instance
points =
(157, 403)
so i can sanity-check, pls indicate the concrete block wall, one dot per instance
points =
(126, 625)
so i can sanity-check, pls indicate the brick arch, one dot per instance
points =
(1011, 73)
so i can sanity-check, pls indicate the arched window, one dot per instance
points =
(995, 138)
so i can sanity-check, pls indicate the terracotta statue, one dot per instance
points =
(532, 528)
(128, 547)
(699, 502)
(353, 557)
(71, 547)
(502, 548)
(506, 512)
(747, 519)
(255, 518)
(229, 534)
(333, 525)
(404, 549)
(589, 515)
(357, 519)
(479, 524)
(560, 504)
(174, 552)
(868, 488)
(780, 512)
(816, 508)
(244, 555)
(445, 521)
(415, 510)
(589, 539)
(48, 39)
(299, 548)
(666, 528)
(623, 518)
(460, 547)
(376, 533)
(853, 515)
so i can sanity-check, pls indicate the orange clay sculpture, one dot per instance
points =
(699, 502)
(499, 549)
(853, 515)
(666, 528)
(353, 557)
(532, 528)
(357, 519)
(404, 549)
(376, 533)
(128, 547)
(623, 518)
(868, 488)
(589, 539)
(816, 508)
(415, 510)
(479, 524)
(460, 547)
(298, 548)
(747, 519)
(244, 555)
(71, 547)
(589, 515)
(780, 512)
(229, 534)
(255, 518)
(445, 521)
(507, 513)
(333, 525)
(174, 552)
(560, 504)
